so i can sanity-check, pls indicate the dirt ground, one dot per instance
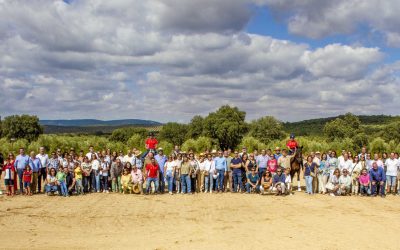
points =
(202, 221)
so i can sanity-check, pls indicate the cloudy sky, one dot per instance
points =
(168, 60)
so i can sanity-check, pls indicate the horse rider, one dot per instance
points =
(292, 144)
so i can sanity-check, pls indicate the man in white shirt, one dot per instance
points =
(392, 166)
(129, 157)
(209, 169)
(341, 158)
(89, 154)
(44, 159)
(346, 163)
(345, 182)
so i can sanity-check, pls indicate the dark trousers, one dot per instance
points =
(41, 177)
(378, 188)
(161, 187)
(237, 180)
(20, 173)
(86, 183)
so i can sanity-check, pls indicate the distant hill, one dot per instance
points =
(316, 126)
(94, 122)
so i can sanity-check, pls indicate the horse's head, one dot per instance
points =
(299, 155)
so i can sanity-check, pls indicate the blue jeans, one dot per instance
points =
(261, 171)
(309, 180)
(207, 182)
(170, 181)
(105, 182)
(51, 188)
(220, 180)
(20, 173)
(185, 183)
(364, 189)
(237, 180)
(248, 187)
(64, 190)
(95, 181)
(374, 188)
(148, 182)
(391, 181)
(162, 182)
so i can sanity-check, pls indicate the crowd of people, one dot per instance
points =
(212, 171)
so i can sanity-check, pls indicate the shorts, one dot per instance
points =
(8, 182)
(27, 184)
(391, 180)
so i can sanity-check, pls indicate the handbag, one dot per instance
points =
(312, 174)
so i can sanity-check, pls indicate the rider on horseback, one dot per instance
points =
(292, 144)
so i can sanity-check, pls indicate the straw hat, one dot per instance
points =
(137, 153)
(135, 189)
(214, 151)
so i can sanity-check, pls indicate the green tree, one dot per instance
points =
(391, 131)
(251, 144)
(378, 145)
(195, 127)
(123, 134)
(266, 129)
(340, 128)
(174, 133)
(22, 127)
(227, 125)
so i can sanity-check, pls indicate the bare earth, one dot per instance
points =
(202, 221)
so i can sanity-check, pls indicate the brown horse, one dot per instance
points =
(296, 164)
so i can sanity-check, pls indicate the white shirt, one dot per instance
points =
(288, 179)
(44, 159)
(379, 163)
(341, 159)
(209, 166)
(202, 165)
(317, 161)
(392, 166)
(95, 165)
(169, 165)
(346, 165)
(130, 159)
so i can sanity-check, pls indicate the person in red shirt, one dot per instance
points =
(152, 173)
(27, 178)
(292, 144)
(151, 144)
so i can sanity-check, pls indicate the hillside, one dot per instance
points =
(316, 126)
(94, 122)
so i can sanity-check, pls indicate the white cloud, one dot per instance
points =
(123, 59)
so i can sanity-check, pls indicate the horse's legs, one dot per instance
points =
(298, 181)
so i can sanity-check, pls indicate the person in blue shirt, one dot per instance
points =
(277, 154)
(236, 166)
(221, 167)
(253, 181)
(378, 179)
(161, 160)
(35, 165)
(279, 182)
(21, 162)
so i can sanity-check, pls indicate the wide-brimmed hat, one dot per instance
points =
(137, 153)
(136, 189)
(214, 151)
(277, 149)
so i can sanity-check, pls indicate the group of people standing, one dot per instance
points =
(264, 172)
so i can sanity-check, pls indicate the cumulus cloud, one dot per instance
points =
(169, 60)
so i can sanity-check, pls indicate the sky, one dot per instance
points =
(168, 60)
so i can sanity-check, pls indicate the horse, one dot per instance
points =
(296, 164)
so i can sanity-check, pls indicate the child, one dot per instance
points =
(364, 182)
(288, 181)
(62, 182)
(78, 178)
(9, 172)
(27, 177)
(126, 182)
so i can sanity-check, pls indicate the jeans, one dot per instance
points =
(116, 184)
(148, 181)
(220, 180)
(248, 187)
(52, 188)
(86, 182)
(162, 182)
(95, 181)
(261, 171)
(237, 180)
(391, 181)
(64, 190)
(79, 186)
(309, 180)
(170, 181)
(207, 182)
(374, 188)
(20, 173)
(42, 177)
(105, 182)
(364, 190)
(185, 183)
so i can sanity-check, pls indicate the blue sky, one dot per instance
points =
(170, 60)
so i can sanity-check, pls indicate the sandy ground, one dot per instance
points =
(202, 221)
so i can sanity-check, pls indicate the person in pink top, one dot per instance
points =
(272, 165)
(364, 182)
